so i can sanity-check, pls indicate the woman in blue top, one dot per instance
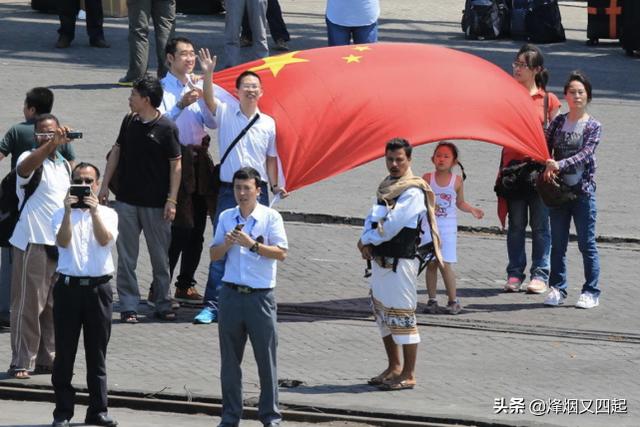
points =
(572, 139)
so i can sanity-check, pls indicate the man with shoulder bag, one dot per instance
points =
(246, 138)
(34, 253)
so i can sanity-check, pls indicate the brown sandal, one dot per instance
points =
(397, 385)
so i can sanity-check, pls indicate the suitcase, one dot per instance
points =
(544, 22)
(200, 7)
(518, 19)
(630, 38)
(44, 6)
(604, 20)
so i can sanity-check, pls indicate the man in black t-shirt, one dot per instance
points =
(147, 161)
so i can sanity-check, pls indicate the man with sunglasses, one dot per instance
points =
(34, 255)
(85, 233)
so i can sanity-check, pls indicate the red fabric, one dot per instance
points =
(509, 154)
(336, 107)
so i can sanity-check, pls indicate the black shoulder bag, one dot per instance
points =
(215, 176)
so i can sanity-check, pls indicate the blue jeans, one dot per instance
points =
(226, 200)
(533, 211)
(583, 211)
(340, 36)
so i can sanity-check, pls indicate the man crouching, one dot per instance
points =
(397, 225)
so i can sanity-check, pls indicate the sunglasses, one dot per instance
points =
(83, 181)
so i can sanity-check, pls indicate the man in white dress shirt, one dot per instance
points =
(83, 299)
(252, 239)
(183, 101)
(394, 230)
(256, 149)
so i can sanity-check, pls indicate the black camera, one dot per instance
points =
(74, 134)
(80, 191)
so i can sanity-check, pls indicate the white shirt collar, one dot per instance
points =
(258, 214)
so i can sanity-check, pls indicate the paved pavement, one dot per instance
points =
(501, 346)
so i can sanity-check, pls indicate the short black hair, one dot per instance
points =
(149, 87)
(397, 144)
(172, 45)
(579, 76)
(84, 165)
(40, 98)
(246, 74)
(43, 118)
(247, 173)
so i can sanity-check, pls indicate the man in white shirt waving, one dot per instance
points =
(252, 238)
(184, 103)
(83, 299)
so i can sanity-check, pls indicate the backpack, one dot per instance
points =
(544, 23)
(485, 19)
(9, 209)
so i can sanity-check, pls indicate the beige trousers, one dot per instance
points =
(32, 339)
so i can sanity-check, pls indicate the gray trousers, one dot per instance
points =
(32, 336)
(157, 232)
(5, 283)
(163, 13)
(253, 315)
(257, 13)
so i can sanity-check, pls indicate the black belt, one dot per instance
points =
(83, 280)
(242, 289)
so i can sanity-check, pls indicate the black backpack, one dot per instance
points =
(9, 209)
(544, 23)
(485, 19)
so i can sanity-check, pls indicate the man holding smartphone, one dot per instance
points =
(83, 299)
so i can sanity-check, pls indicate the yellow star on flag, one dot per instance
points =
(351, 58)
(361, 48)
(277, 63)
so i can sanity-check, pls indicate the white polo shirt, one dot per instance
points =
(353, 13)
(253, 149)
(242, 266)
(34, 225)
(84, 256)
(190, 120)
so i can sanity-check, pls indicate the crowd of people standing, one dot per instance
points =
(160, 172)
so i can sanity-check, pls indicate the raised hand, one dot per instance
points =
(207, 62)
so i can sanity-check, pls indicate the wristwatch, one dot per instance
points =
(255, 247)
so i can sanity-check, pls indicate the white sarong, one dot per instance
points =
(394, 299)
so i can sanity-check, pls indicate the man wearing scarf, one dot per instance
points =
(401, 222)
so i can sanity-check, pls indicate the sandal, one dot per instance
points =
(167, 316)
(43, 370)
(18, 373)
(397, 385)
(130, 317)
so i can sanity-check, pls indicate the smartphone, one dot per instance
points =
(74, 134)
(80, 191)
(239, 227)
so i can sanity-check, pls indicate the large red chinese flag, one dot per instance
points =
(336, 107)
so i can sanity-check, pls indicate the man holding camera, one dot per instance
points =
(85, 233)
(42, 178)
(250, 238)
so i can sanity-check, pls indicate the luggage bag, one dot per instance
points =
(604, 20)
(630, 38)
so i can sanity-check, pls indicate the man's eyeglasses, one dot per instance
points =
(45, 135)
(518, 64)
(83, 181)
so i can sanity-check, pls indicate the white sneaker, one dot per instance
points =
(536, 286)
(587, 300)
(554, 297)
